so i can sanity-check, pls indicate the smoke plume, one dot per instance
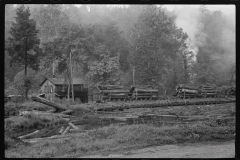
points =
(213, 33)
(188, 18)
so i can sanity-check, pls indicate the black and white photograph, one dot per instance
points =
(120, 81)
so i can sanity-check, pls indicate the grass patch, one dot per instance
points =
(12, 109)
(115, 139)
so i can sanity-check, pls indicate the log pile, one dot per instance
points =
(112, 92)
(187, 91)
(208, 91)
(143, 92)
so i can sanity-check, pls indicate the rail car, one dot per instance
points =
(115, 92)
(204, 91)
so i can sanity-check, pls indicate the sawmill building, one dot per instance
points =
(58, 88)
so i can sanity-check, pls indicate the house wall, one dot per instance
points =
(49, 89)
(79, 92)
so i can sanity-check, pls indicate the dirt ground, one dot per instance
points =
(195, 150)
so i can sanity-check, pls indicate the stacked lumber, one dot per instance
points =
(187, 91)
(112, 92)
(208, 91)
(143, 92)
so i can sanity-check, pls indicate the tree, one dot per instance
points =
(216, 56)
(157, 43)
(23, 43)
(50, 21)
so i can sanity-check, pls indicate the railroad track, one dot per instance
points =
(161, 103)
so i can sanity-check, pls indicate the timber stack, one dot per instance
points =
(112, 92)
(208, 91)
(187, 91)
(144, 93)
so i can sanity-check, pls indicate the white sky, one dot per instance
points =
(227, 9)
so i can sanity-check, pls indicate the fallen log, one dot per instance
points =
(28, 135)
(49, 103)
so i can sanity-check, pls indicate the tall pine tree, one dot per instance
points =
(23, 43)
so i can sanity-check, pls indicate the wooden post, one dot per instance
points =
(26, 92)
(71, 75)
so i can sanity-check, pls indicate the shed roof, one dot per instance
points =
(62, 81)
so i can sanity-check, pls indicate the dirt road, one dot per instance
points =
(196, 150)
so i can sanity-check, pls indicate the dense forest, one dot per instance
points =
(165, 48)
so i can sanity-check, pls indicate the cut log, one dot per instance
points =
(189, 91)
(73, 126)
(66, 130)
(28, 135)
(49, 103)
(146, 90)
(69, 111)
(61, 130)
(187, 87)
(115, 91)
(109, 87)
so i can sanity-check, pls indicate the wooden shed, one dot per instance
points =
(57, 87)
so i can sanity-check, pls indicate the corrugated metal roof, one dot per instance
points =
(62, 81)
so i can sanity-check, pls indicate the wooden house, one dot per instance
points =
(57, 87)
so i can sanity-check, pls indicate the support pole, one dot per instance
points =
(26, 91)
(71, 76)
(134, 76)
